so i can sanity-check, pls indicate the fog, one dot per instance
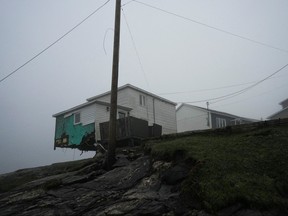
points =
(183, 50)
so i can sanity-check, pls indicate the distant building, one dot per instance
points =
(191, 118)
(282, 113)
(80, 126)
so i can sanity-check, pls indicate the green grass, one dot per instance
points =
(250, 167)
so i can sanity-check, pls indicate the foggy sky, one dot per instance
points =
(176, 55)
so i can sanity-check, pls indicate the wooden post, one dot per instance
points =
(110, 159)
(208, 115)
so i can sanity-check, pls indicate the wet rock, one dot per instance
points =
(175, 174)
(121, 161)
(230, 210)
(248, 213)
(131, 188)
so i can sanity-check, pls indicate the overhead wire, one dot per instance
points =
(212, 89)
(135, 49)
(204, 90)
(252, 86)
(127, 3)
(55, 42)
(104, 40)
(234, 94)
(227, 96)
(209, 26)
(239, 101)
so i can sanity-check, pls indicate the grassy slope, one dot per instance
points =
(249, 167)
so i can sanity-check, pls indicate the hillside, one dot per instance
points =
(232, 171)
(233, 165)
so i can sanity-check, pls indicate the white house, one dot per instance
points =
(145, 105)
(191, 118)
(80, 125)
(282, 113)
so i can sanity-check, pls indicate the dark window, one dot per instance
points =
(220, 122)
(121, 115)
(77, 118)
(142, 100)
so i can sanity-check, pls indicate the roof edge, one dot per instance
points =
(87, 104)
(135, 88)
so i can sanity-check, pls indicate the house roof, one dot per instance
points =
(277, 113)
(135, 88)
(284, 101)
(87, 104)
(216, 112)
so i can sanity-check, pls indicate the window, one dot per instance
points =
(121, 115)
(77, 118)
(220, 122)
(142, 100)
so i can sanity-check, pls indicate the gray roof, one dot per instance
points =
(135, 88)
(87, 104)
(284, 101)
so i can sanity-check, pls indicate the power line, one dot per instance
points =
(234, 94)
(209, 26)
(212, 89)
(127, 3)
(263, 93)
(203, 90)
(135, 48)
(109, 29)
(34, 57)
(252, 86)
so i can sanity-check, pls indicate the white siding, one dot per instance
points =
(88, 114)
(164, 115)
(189, 119)
(103, 115)
(281, 114)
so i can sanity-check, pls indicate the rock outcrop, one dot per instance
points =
(136, 186)
(132, 188)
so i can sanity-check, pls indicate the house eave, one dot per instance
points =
(87, 104)
(135, 88)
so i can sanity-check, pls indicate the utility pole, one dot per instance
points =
(110, 158)
(208, 116)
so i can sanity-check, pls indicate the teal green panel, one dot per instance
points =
(59, 128)
(74, 133)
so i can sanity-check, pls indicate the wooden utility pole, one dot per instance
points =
(110, 159)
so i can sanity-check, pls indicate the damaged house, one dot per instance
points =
(140, 114)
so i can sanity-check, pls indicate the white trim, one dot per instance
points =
(220, 122)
